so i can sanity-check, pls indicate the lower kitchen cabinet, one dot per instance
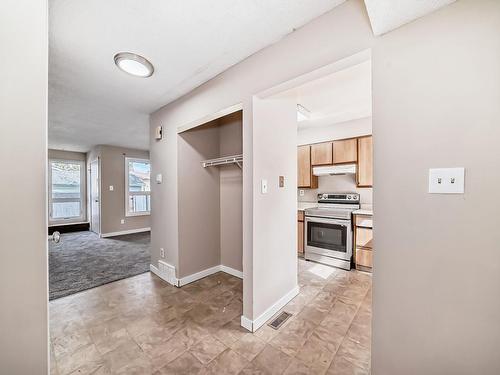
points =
(300, 232)
(363, 242)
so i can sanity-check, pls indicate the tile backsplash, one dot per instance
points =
(336, 184)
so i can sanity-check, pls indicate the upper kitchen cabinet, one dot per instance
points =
(345, 151)
(322, 154)
(304, 168)
(365, 162)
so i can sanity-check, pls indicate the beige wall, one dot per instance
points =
(348, 129)
(436, 90)
(112, 172)
(210, 199)
(23, 231)
(436, 98)
(199, 224)
(231, 193)
(66, 155)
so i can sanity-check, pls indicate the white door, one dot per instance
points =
(95, 204)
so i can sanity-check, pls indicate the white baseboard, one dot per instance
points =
(254, 325)
(246, 323)
(121, 233)
(198, 275)
(231, 271)
(166, 272)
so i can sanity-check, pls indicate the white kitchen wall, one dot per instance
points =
(337, 184)
(342, 130)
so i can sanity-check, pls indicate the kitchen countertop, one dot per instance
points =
(301, 206)
(363, 211)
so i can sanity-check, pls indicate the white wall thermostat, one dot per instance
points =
(159, 132)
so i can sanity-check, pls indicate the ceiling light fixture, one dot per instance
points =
(134, 64)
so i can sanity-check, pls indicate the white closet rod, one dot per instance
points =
(234, 159)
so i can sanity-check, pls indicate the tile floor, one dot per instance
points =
(142, 325)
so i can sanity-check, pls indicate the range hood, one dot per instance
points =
(333, 170)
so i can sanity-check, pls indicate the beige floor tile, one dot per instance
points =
(248, 346)
(297, 367)
(185, 364)
(341, 366)
(355, 353)
(87, 357)
(254, 369)
(67, 344)
(228, 362)
(314, 355)
(272, 360)
(207, 349)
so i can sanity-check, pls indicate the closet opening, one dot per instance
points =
(210, 209)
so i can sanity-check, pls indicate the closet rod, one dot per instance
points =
(234, 159)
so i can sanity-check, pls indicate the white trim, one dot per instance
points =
(231, 271)
(198, 275)
(347, 62)
(246, 323)
(223, 112)
(128, 193)
(82, 199)
(122, 232)
(254, 325)
(66, 224)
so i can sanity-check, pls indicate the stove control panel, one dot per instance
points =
(338, 198)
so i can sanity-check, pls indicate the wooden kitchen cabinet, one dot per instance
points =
(300, 232)
(363, 242)
(364, 174)
(300, 237)
(345, 151)
(304, 168)
(322, 153)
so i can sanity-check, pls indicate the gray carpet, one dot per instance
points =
(82, 260)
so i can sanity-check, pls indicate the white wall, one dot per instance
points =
(332, 184)
(343, 130)
(274, 213)
(23, 151)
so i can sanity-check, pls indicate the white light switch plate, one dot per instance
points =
(111, 188)
(263, 186)
(446, 180)
(159, 178)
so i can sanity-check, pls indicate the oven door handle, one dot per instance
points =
(343, 223)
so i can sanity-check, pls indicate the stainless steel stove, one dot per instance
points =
(329, 229)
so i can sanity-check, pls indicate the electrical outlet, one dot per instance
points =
(301, 193)
(162, 252)
(122, 221)
(282, 181)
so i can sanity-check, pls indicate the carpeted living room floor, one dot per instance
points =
(82, 260)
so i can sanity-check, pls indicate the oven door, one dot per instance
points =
(329, 237)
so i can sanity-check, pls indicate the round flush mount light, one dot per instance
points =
(134, 64)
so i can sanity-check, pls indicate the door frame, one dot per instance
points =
(98, 162)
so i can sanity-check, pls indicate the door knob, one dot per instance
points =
(56, 237)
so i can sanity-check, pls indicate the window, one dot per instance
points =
(137, 187)
(66, 191)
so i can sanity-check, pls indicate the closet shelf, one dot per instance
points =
(234, 159)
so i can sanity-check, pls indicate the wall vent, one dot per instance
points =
(167, 272)
(277, 322)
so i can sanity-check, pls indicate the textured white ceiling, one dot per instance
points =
(387, 15)
(92, 102)
(342, 96)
